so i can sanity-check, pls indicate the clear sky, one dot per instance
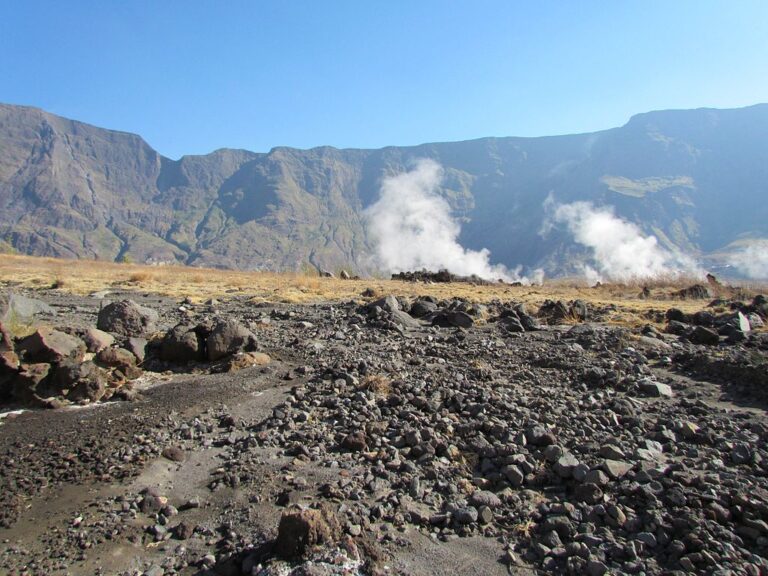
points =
(192, 76)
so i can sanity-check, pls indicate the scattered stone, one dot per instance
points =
(656, 389)
(616, 468)
(485, 498)
(173, 453)
(355, 441)
(183, 531)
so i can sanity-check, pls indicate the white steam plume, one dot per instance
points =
(752, 261)
(620, 251)
(412, 229)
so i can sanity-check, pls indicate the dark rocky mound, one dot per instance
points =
(442, 277)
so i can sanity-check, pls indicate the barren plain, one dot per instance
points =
(162, 420)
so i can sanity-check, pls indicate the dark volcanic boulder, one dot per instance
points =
(84, 380)
(452, 319)
(695, 292)
(676, 328)
(760, 306)
(227, 337)
(91, 390)
(423, 307)
(32, 383)
(300, 530)
(511, 323)
(127, 318)
(554, 311)
(676, 314)
(180, 344)
(51, 346)
(703, 318)
(529, 322)
(70, 373)
(703, 335)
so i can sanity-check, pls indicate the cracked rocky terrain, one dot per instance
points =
(381, 437)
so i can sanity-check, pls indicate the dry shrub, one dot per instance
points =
(378, 384)
(58, 283)
(140, 277)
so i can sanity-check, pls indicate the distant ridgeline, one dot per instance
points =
(696, 179)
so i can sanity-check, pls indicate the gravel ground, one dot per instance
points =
(474, 440)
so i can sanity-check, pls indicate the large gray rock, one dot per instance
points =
(127, 319)
(227, 337)
(17, 309)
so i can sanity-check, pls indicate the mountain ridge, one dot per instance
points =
(71, 189)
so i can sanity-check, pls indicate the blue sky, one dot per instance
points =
(193, 76)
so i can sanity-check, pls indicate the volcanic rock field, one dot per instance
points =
(149, 435)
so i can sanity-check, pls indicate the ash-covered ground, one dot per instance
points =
(388, 437)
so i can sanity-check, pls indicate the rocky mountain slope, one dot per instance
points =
(697, 179)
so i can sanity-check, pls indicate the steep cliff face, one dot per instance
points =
(698, 179)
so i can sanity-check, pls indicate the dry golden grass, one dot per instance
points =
(87, 276)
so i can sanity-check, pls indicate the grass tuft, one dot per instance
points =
(378, 384)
